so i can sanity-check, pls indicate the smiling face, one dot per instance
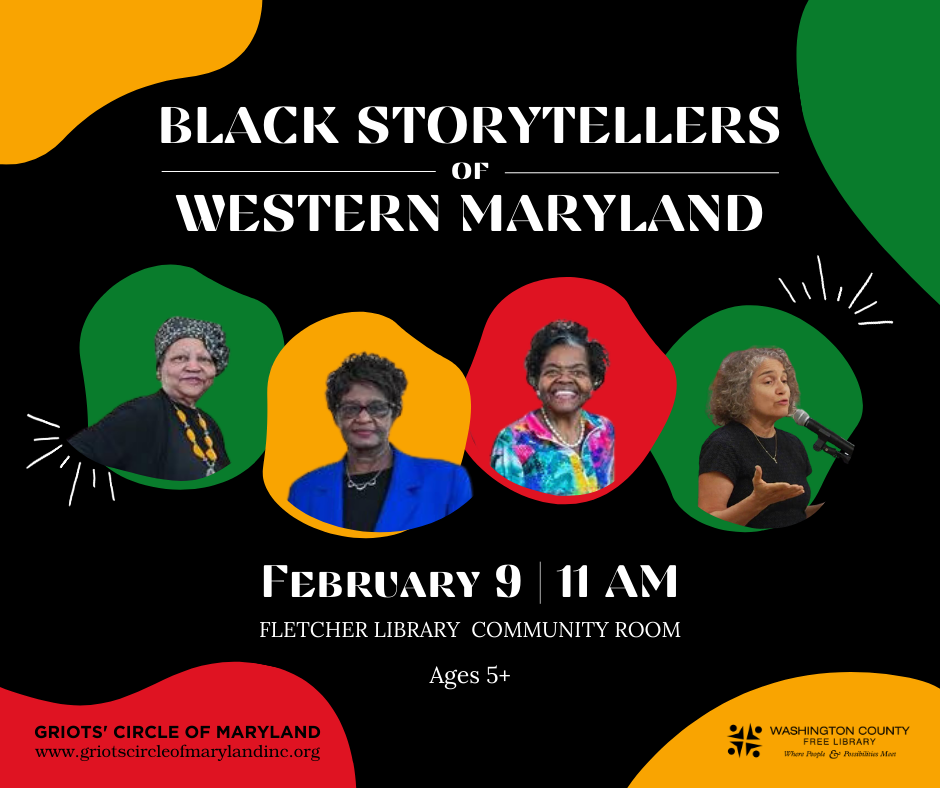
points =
(363, 431)
(187, 371)
(770, 392)
(565, 382)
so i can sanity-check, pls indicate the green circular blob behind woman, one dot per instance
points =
(164, 435)
(750, 473)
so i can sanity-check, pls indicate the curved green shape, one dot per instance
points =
(868, 85)
(118, 362)
(827, 386)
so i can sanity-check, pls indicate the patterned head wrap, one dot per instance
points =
(210, 334)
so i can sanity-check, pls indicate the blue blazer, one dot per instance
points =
(421, 491)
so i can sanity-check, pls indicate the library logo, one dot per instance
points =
(744, 744)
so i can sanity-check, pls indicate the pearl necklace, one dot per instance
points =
(208, 456)
(555, 432)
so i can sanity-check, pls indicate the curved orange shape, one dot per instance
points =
(301, 432)
(64, 61)
(858, 729)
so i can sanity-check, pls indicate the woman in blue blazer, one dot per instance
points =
(376, 487)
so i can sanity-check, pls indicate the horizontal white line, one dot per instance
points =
(579, 172)
(878, 323)
(45, 439)
(308, 172)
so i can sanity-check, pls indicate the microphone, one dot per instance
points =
(845, 450)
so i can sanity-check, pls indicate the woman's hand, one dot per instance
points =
(714, 491)
(766, 493)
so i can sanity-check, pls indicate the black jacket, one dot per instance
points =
(145, 436)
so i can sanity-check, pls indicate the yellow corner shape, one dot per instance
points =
(61, 61)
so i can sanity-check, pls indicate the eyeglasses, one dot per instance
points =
(377, 410)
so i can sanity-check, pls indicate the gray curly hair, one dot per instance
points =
(731, 389)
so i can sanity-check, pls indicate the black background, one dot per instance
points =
(103, 600)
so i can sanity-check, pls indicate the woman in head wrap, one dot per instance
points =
(751, 473)
(164, 435)
(560, 448)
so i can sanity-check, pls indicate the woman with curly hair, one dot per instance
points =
(750, 473)
(560, 448)
(376, 487)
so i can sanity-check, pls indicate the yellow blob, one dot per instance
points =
(302, 435)
(706, 752)
(60, 62)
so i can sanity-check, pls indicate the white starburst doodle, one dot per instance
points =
(822, 283)
(67, 458)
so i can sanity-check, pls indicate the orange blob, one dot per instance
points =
(64, 59)
(302, 435)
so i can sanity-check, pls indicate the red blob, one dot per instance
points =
(637, 395)
(184, 711)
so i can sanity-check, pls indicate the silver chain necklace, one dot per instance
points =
(360, 487)
(370, 482)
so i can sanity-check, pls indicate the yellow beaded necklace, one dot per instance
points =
(208, 456)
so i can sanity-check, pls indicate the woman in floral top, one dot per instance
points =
(560, 449)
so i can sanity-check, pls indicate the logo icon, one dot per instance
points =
(746, 744)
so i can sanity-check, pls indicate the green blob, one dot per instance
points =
(118, 361)
(827, 387)
(868, 83)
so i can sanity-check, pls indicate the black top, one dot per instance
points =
(734, 451)
(361, 508)
(145, 436)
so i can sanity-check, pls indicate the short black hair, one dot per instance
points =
(370, 369)
(565, 332)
